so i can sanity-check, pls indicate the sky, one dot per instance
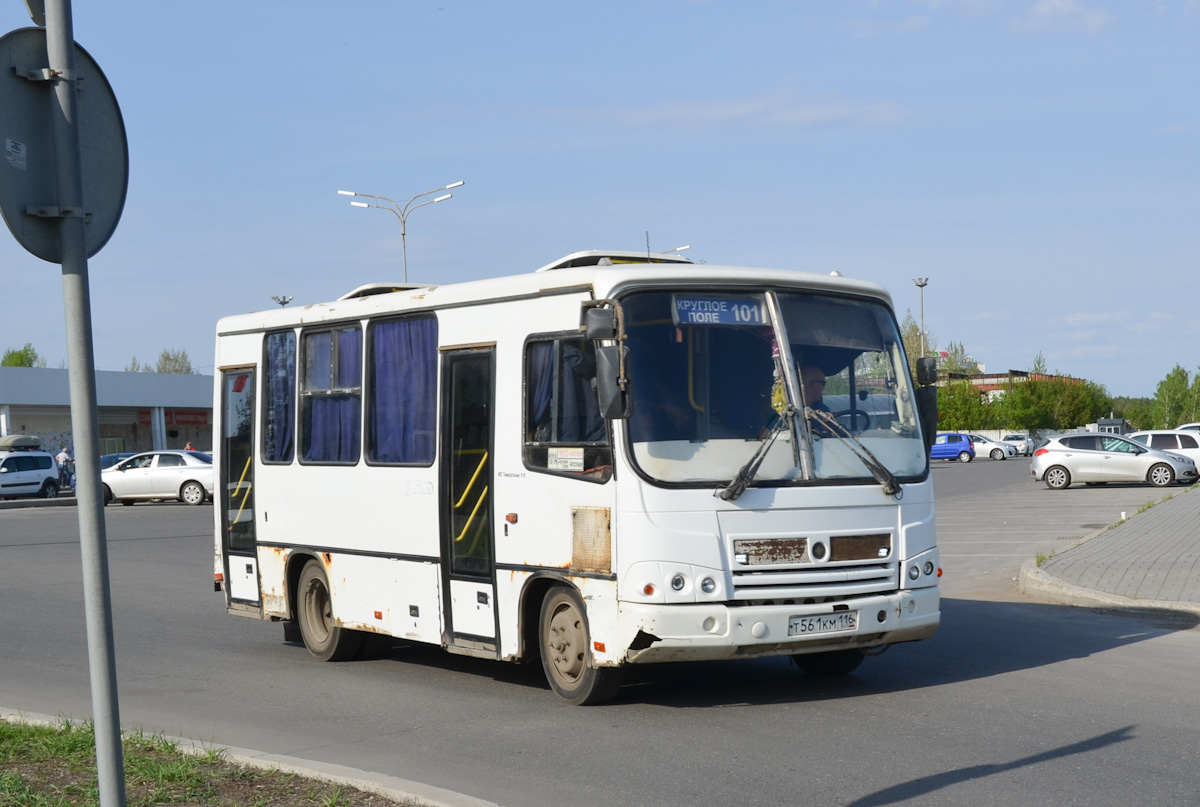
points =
(1037, 160)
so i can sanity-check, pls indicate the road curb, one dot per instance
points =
(1036, 583)
(392, 787)
(62, 500)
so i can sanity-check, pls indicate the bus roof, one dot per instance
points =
(611, 257)
(580, 272)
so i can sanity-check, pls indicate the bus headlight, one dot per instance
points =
(677, 582)
(708, 585)
(914, 572)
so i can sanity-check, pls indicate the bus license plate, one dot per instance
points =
(823, 623)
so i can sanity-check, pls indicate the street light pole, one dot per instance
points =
(922, 282)
(401, 212)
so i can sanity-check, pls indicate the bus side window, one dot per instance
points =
(331, 396)
(279, 387)
(564, 431)
(402, 402)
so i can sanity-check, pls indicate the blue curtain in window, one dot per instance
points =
(541, 385)
(404, 393)
(579, 418)
(334, 419)
(279, 431)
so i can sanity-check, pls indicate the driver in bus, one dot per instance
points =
(812, 378)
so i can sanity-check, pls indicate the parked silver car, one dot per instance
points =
(986, 447)
(1186, 443)
(186, 476)
(1099, 458)
(1023, 443)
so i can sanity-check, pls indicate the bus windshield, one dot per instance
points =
(712, 374)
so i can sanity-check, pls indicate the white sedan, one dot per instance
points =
(985, 447)
(186, 476)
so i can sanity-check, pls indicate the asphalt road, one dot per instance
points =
(1013, 702)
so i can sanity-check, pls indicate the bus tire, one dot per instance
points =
(838, 662)
(565, 644)
(325, 640)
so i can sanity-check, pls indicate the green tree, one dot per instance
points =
(1138, 411)
(169, 361)
(961, 407)
(1067, 403)
(174, 361)
(910, 334)
(1171, 399)
(1191, 407)
(958, 360)
(23, 357)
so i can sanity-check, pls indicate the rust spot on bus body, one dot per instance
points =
(771, 551)
(272, 563)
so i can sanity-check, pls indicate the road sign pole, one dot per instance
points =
(60, 47)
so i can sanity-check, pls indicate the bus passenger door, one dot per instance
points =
(468, 549)
(235, 485)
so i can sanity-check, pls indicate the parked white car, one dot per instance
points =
(1186, 443)
(1023, 443)
(985, 447)
(1188, 427)
(1099, 458)
(186, 476)
(25, 470)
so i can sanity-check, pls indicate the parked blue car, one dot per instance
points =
(109, 460)
(952, 446)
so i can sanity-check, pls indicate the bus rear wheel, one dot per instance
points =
(314, 611)
(565, 649)
(838, 662)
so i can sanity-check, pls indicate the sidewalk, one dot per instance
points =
(1151, 560)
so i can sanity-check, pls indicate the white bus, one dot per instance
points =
(617, 459)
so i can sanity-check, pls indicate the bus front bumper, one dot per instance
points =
(701, 632)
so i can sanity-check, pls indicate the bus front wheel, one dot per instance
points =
(314, 611)
(565, 648)
(838, 662)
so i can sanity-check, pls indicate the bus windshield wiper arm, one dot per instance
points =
(891, 486)
(742, 481)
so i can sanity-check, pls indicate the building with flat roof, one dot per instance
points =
(137, 411)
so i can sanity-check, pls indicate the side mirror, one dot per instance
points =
(613, 398)
(600, 323)
(3, 470)
(926, 371)
(927, 410)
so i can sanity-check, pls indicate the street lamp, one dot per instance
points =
(922, 282)
(402, 212)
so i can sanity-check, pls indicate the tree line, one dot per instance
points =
(1044, 401)
(169, 361)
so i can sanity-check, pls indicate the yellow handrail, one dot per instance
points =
(471, 518)
(245, 471)
(471, 484)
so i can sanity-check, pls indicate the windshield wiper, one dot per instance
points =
(742, 481)
(891, 486)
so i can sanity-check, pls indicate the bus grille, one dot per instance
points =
(816, 584)
(811, 570)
